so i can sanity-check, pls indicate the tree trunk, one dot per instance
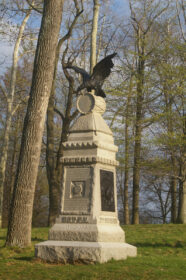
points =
(173, 186)
(182, 191)
(10, 100)
(126, 180)
(94, 35)
(136, 168)
(9, 182)
(183, 205)
(19, 228)
(170, 132)
(138, 125)
(4, 156)
(50, 162)
(182, 199)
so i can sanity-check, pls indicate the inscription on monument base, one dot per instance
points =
(74, 219)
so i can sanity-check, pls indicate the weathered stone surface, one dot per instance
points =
(90, 122)
(87, 232)
(83, 252)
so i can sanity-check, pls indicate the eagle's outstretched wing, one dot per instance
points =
(81, 71)
(103, 68)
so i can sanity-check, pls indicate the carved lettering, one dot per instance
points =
(74, 220)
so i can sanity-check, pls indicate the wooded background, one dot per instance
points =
(145, 102)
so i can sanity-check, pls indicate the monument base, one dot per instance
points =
(83, 252)
(87, 233)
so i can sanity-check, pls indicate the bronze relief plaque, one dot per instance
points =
(107, 191)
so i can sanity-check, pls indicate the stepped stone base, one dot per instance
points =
(83, 252)
(87, 233)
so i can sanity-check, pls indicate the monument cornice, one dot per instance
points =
(82, 160)
(89, 144)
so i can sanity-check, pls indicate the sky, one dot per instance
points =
(120, 7)
(5, 55)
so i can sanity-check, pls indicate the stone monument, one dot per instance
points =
(87, 229)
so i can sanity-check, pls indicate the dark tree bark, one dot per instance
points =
(19, 228)
(138, 123)
(126, 179)
(127, 155)
(182, 178)
(173, 180)
(173, 185)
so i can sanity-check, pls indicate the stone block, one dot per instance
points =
(87, 232)
(83, 252)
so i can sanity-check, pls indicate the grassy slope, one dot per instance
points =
(161, 255)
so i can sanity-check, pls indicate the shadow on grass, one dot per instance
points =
(38, 239)
(178, 244)
(2, 238)
(28, 259)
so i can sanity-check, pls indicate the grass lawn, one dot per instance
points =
(161, 255)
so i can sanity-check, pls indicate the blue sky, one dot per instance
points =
(120, 7)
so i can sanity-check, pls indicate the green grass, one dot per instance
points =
(161, 255)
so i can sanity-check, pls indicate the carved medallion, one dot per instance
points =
(88, 102)
(77, 189)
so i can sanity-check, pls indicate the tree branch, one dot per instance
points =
(156, 16)
(179, 20)
(74, 115)
(59, 113)
(33, 7)
(4, 92)
(69, 33)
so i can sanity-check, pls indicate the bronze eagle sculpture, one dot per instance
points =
(95, 81)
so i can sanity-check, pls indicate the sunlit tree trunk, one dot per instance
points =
(19, 228)
(94, 35)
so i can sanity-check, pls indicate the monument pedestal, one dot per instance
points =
(83, 252)
(87, 229)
